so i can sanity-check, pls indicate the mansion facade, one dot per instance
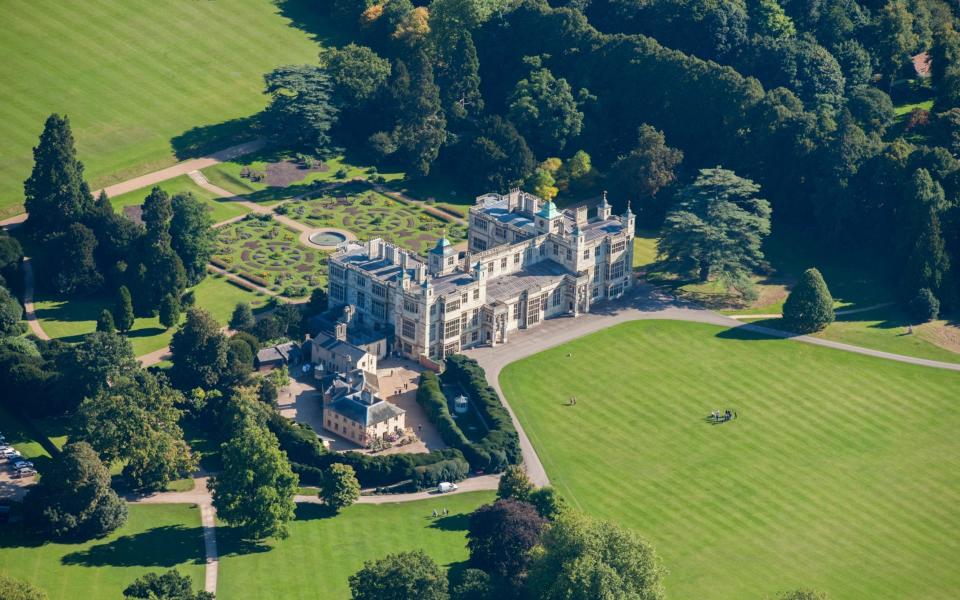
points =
(526, 261)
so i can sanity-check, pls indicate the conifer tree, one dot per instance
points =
(55, 194)
(105, 322)
(169, 311)
(809, 307)
(123, 310)
(242, 318)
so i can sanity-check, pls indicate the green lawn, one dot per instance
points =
(21, 437)
(322, 552)
(228, 175)
(155, 538)
(645, 248)
(220, 210)
(839, 474)
(143, 83)
(72, 319)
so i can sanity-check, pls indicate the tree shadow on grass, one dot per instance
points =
(310, 511)
(453, 522)
(305, 15)
(207, 139)
(233, 541)
(765, 330)
(166, 546)
(145, 332)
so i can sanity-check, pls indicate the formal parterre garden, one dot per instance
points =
(268, 254)
(839, 472)
(370, 214)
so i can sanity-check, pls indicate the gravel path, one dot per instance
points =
(29, 314)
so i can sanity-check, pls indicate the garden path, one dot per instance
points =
(850, 311)
(29, 314)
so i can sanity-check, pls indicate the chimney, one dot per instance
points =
(341, 331)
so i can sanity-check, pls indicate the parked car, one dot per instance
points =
(14, 456)
(446, 486)
(22, 464)
(24, 472)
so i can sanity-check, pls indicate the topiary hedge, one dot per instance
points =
(501, 446)
(446, 470)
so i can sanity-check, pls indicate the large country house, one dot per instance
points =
(526, 261)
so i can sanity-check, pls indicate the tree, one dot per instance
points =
(11, 252)
(240, 354)
(896, 39)
(357, 73)
(169, 311)
(199, 351)
(255, 488)
(649, 167)
(474, 584)
(501, 535)
(498, 157)
(421, 126)
(55, 194)
(16, 589)
(340, 486)
(548, 502)
(872, 108)
(928, 265)
(123, 310)
(576, 173)
(716, 227)
(854, 61)
(242, 318)
(809, 307)
(459, 74)
(543, 184)
(95, 362)
(924, 306)
(135, 420)
(192, 235)
(582, 559)
(77, 273)
(400, 577)
(545, 111)
(105, 322)
(770, 19)
(10, 314)
(318, 301)
(301, 112)
(170, 585)
(73, 498)
(515, 484)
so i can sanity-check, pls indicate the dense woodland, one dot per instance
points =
(637, 97)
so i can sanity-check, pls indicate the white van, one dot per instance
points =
(446, 486)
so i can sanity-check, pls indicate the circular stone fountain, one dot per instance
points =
(327, 238)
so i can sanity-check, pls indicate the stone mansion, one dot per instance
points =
(526, 261)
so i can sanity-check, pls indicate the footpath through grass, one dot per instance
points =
(322, 552)
(143, 83)
(839, 474)
(155, 538)
(220, 210)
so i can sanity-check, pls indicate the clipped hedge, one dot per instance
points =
(501, 446)
(445, 470)
(373, 471)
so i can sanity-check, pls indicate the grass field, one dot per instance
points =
(155, 538)
(143, 83)
(839, 474)
(322, 552)
(220, 210)
(70, 320)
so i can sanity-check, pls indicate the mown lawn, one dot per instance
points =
(839, 474)
(322, 552)
(220, 210)
(155, 538)
(71, 319)
(143, 83)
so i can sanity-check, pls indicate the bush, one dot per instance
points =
(446, 470)
(341, 173)
(924, 306)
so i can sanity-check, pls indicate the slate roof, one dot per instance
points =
(535, 277)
